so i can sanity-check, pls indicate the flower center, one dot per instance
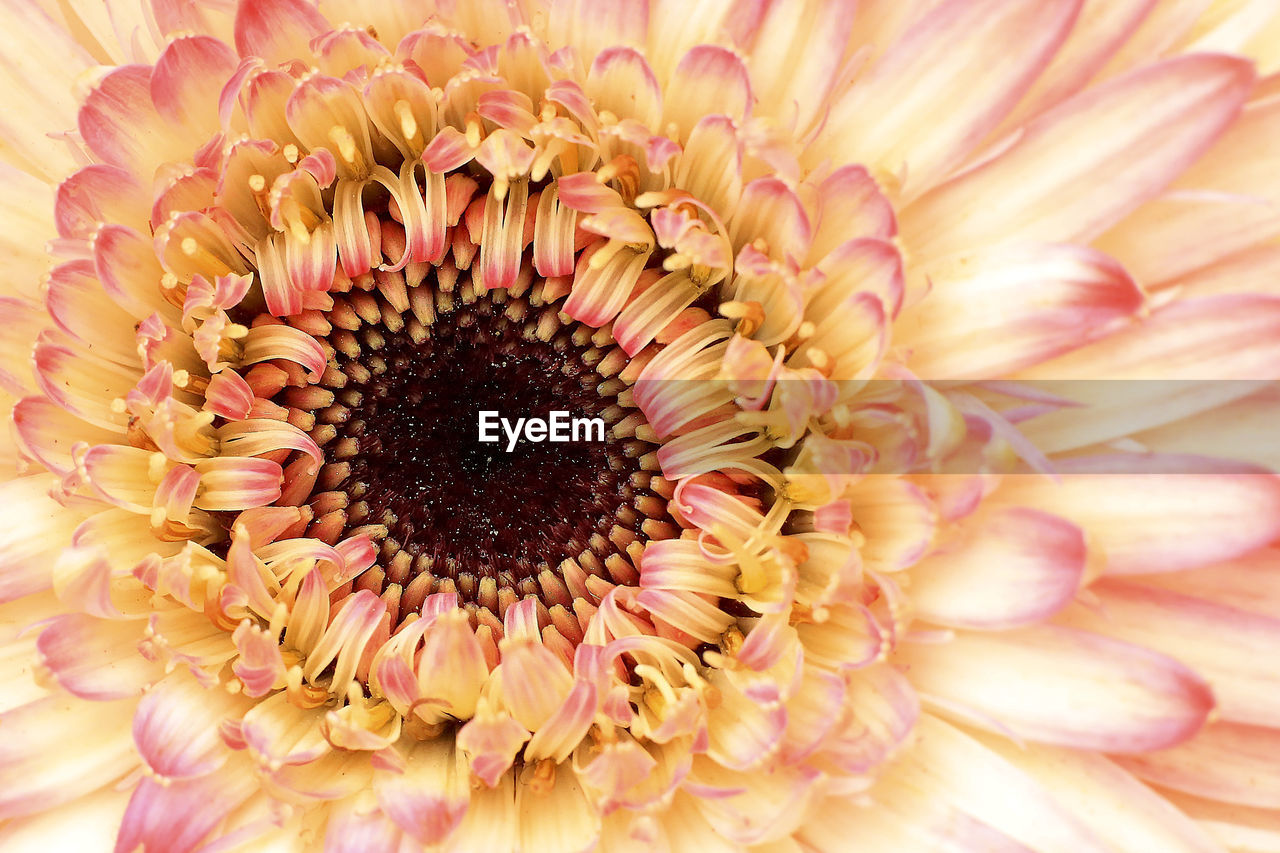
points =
(398, 410)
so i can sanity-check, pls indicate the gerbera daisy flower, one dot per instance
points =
(869, 557)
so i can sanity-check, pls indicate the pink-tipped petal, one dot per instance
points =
(96, 658)
(277, 30)
(1013, 567)
(231, 483)
(1065, 687)
(188, 79)
(1225, 645)
(949, 792)
(97, 194)
(1155, 522)
(126, 264)
(120, 124)
(1226, 762)
(1079, 168)
(1012, 307)
(622, 82)
(1233, 336)
(204, 802)
(176, 728)
(1136, 818)
(428, 800)
(40, 767)
(29, 550)
(928, 102)
(771, 211)
(591, 26)
(851, 203)
(711, 80)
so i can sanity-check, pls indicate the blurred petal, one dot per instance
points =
(1064, 687)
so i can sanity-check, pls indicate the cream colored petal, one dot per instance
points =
(1227, 202)
(87, 825)
(1101, 29)
(1079, 168)
(1061, 686)
(1228, 647)
(39, 67)
(26, 225)
(935, 95)
(1128, 815)
(947, 792)
(1150, 523)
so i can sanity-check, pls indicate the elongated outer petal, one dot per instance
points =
(41, 767)
(1011, 307)
(24, 320)
(1227, 762)
(675, 26)
(1255, 270)
(40, 95)
(1233, 336)
(1234, 827)
(352, 831)
(77, 825)
(1250, 583)
(796, 55)
(1064, 687)
(949, 792)
(1101, 27)
(1158, 523)
(1081, 166)
(1208, 412)
(1133, 817)
(1166, 25)
(47, 433)
(25, 226)
(1015, 567)
(593, 25)
(29, 550)
(1222, 205)
(1232, 649)
(933, 97)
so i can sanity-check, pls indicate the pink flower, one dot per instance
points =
(871, 558)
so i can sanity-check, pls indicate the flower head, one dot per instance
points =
(817, 267)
